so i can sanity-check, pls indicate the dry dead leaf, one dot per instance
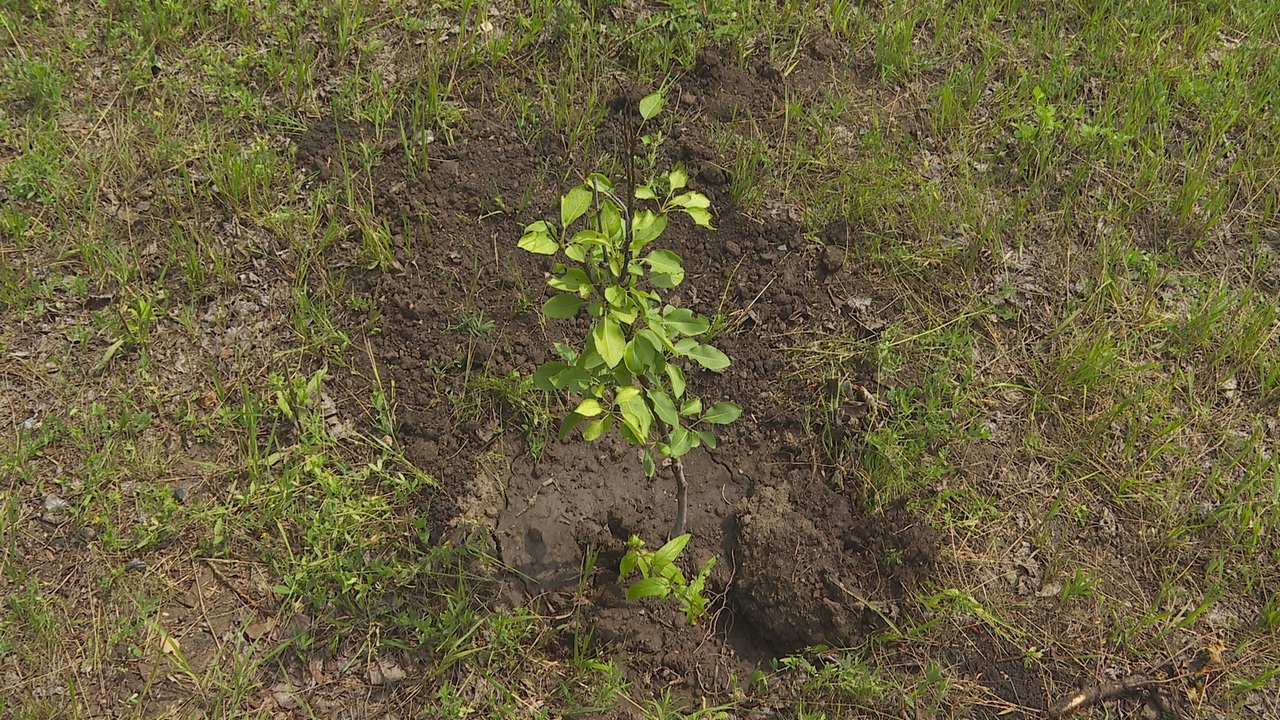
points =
(257, 629)
(169, 645)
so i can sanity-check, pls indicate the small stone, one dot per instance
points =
(300, 624)
(1050, 590)
(1230, 388)
(391, 672)
(135, 565)
(181, 493)
(53, 503)
(244, 309)
(283, 697)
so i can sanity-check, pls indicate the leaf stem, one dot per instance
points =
(628, 207)
(682, 499)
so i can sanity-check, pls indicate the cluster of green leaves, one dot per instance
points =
(626, 371)
(659, 576)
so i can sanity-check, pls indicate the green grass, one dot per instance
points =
(1071, 207)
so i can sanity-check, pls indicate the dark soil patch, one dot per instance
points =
(800, 562)
(1001, 668)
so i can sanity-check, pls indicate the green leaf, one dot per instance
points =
(570, 421)
(628, 564)
(615, 295)
(691, 407)
(691, 200)
(645, 228)
(562, 306)
(538, 242)
(683, 347)
(626, 393)
(681, 442)
(624, 317)
(649, 467)
(573, 378)
(708, 438)
(629, 433)
(589, 407)
(703, 574)
(572, 280)
(611, 222)
(590, 360)
(684, 321)
(642, 300)
(668, 553)
(590, 237)
(664, 407)
(700, 217)
(566, 353)
(599, 182)
(544, 378)
(574, 204)
(691, 595)
(637, 416)
(651, 105)
(555, 376)
(649, 587)
(722, 413)
(667, 269)
(596, 428)
(656, 334)
(677, 178)
(708, 357)
(609, 342)
(644, 192)
(621, 376)
(676, 376)
(575, 252)
(664, 261)
(639, 355)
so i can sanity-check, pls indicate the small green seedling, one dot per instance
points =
(659, 576)
(626, 372)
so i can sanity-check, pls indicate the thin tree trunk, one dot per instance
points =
(682, 500)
